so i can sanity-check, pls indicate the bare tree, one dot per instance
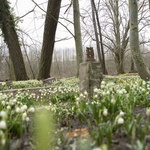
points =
(116, 31)
(142, 69)
(99, 39)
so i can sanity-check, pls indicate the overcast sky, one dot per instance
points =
(33, 23)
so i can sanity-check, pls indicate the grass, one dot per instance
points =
(117, 115)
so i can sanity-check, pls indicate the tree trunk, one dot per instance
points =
(51, 21)
(7, 24)
(77, 30)
(143, 71)
(132, 68)
(28, 60)
(119, 61)
(96, 36)
(11, 70)
(100, 36)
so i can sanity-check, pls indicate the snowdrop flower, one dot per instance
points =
(96, 90)
(110, 84)
(81, 95)
(23, 108)
(148, 111)
(120, 120)
(8, 107)
(2, 124)
(104, 93)
(3, 141)
(143, 90)
(103, 82)
(108, 92)
(24, 116)
(96, 96)
(122, 113)
(17, 110)
(96, 148)
(102, 86)
(85, 93)
(3, 114)
(31, 109)
(3, 103)
(113, 101)
(1, 133)
(78, 98)
(105, 112)
(27, 119)
(14, 101)
(120, 91)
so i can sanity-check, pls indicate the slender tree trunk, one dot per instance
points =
(52, 16)
(96, 36)
(33, 75)
(7, 25)
(143, 70)
(100, 36)
(77, 30)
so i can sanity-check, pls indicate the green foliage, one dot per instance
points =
(110, 113)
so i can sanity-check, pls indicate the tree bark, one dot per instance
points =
(132, 68)
(119, 61)
(96, 21)
(51, 21)
(7, 24)
(96, 36)
(143, 70)
(77, 30)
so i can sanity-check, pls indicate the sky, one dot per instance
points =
(33, 23)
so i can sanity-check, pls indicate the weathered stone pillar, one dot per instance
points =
(90, 73)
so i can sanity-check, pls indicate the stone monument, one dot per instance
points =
(90, 73)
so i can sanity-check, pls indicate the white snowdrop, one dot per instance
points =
(27, 119)
(23, 108)
(3, 103)
(2, 124)
(3, 141)
(113, 101)
(120, 120)
(3, 114)
(148, 111)
(105, 112)
(8, 107)
(96, 148)
(24, 116)
(17, 110)
(122, 113)
(78, 98)
(31, 109)
(96, 90)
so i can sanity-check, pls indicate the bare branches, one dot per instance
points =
(53, 17)
(28, 12)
